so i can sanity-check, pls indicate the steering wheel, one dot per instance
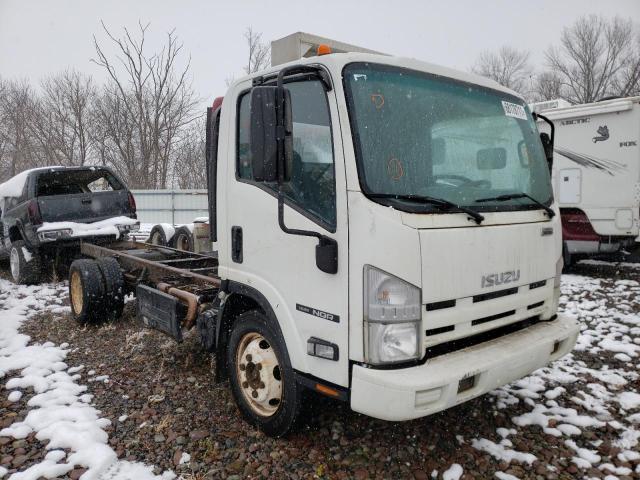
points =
(463, 180)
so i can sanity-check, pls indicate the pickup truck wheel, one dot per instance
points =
(261, 376)
(26, 267)
(183, 239)
(86, 291)
(114, 286)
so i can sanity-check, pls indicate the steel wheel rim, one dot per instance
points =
(76, 292)
(156, 238)
(182, 243)
(259, 375)
(14, 261)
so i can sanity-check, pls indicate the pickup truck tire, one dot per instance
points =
(113, 286)
(261, 377)
(86, 291)
(157, 236)
(24, 271)
(183, 239)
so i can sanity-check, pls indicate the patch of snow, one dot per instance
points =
(629, 400)
(59, 413)
(500, 451)
(168, 229)
(454, 472)
(505, 476)
(122, 418)
(15, 396)
(27, 255)
(101, 228)
(185, 458)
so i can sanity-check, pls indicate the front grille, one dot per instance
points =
(539, 284)
(535, 305)
(438, 331)
(491, 318)
(489, 296)
(440, 305)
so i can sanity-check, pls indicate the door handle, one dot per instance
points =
(86, 200)
(236, 244)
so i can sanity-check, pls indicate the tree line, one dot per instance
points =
(145, 121)
(597, 58)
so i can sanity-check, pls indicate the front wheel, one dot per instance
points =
(261, 376)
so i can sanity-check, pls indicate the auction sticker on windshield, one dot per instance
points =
(514, 110)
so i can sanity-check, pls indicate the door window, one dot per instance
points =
(312, 185)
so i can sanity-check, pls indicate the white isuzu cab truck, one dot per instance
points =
(386, 234)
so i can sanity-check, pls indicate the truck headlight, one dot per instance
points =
(53, 235)
(392, 318)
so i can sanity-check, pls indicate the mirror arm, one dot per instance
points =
(551, 125)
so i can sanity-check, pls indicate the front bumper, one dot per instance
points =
(414, 392)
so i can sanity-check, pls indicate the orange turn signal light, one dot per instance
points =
(327, 390)
(324, 49)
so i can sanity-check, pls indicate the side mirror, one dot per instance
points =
(265, 134)
(547, 145)
(491, 158)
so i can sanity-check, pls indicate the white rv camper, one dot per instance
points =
(596, 173)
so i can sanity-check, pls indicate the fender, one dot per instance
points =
(237, 289)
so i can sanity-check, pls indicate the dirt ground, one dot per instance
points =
(163, 403)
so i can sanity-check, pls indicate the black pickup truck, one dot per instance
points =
(46, 212)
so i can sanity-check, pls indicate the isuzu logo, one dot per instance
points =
(495, 279)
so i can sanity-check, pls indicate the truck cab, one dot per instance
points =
(394, 225)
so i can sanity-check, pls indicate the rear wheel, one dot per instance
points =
(86, 291)
(261, 376)
(157, 236)
(183, 239)
(113, 285)
(25, 264)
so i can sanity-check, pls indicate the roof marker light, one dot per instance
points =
(324, 49)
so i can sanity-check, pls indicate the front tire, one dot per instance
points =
(262, 379)
(25, 264)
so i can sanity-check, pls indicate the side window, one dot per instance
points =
(312, 185)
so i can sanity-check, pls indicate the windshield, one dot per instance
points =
(423, 135)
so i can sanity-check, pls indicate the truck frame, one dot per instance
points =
(384, 232)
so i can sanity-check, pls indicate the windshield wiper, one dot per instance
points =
(441, 203)
(511, 196)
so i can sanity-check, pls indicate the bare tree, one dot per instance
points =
(17, 110)
(147, 101)
(507, 66)
(597, 57)
(64, 119)
(190, 170)
(259, 53)
(547, 86)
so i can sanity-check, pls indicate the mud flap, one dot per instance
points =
(160, 311)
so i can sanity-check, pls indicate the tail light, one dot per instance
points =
(33, 210)
(132, 203)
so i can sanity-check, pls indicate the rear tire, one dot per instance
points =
(86, 291)
(183, 239)
(114, 287)
(25, 264)
(261, 377)
(157, 236)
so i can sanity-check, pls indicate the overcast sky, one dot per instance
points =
(38, 37)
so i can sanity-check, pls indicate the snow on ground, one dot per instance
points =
(610, 329)
(60, 412)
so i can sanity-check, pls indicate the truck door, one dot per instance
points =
(255, 251)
